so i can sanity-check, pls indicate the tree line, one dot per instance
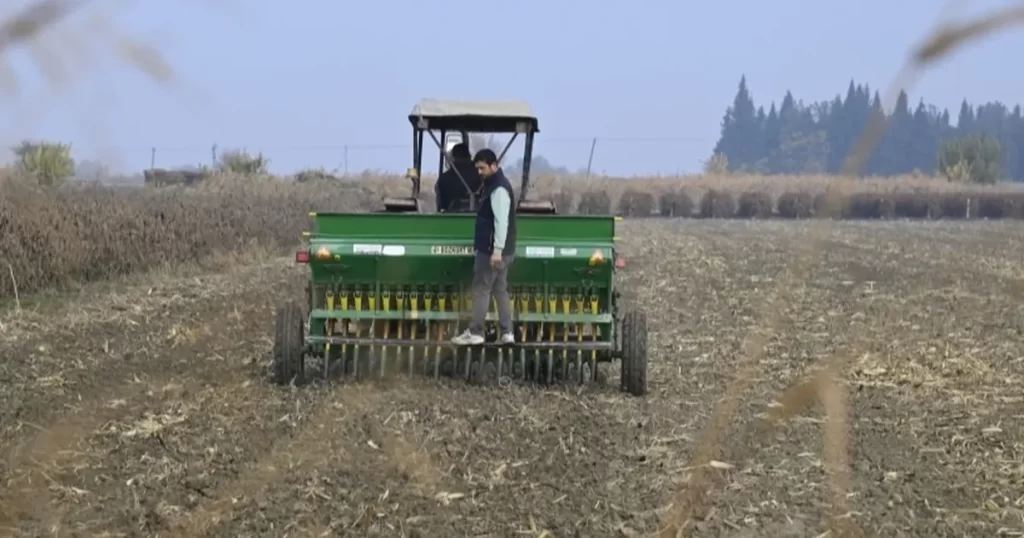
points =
(986, 142)
(52, 163)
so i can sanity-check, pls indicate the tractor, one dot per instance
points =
(389, 288)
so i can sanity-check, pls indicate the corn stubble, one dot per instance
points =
(827, 386)
(53, 237)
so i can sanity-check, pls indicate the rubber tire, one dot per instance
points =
(634, 353)
(289, 341)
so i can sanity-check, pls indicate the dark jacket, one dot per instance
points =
(450, 189)
(483, 237)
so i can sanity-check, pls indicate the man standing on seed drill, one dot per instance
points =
(495, 244)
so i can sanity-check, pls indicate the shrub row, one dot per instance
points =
(51, 238)
(54, 237)
(719, 204)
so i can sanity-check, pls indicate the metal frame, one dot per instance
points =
(492, 124)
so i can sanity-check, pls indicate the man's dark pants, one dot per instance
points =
(490, 282)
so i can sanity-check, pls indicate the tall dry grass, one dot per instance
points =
(59, 237)
(53, 238)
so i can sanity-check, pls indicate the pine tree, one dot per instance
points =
(772, 139)
(741, 137)
(894, 150)
(922, 151)
(762, 150)
(965, 121)
(816, 137)
(838, 133)
(875, 112)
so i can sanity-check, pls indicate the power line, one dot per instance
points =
(372, 146)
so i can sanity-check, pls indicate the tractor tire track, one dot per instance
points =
(313, 437)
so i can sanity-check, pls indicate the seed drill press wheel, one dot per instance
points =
(289, 339)
(634, 353)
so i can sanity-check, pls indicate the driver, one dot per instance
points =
(449, 189)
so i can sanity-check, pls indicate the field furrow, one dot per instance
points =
(146, 409)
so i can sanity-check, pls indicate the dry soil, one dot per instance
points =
(145, 409)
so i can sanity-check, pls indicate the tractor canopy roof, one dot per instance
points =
(474, 116)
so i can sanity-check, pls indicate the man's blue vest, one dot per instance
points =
(483, 238)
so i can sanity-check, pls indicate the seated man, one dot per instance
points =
(450, 191)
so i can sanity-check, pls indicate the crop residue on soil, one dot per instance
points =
(148, 412)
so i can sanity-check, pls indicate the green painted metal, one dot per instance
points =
(419, 263)
(420, 250)
(410, 315)
(560, 261)
(441, 226)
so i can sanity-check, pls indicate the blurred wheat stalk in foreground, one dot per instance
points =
(58, 54)
(826, 386)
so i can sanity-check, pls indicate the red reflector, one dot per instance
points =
(620, 263)
(302, 256)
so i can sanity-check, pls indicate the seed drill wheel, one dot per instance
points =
(634, 353)
(289, 344)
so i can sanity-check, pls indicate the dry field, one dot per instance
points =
(143, 408)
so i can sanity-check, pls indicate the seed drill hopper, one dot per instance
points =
(389, 289)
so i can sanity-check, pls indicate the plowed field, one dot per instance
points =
(145, 408)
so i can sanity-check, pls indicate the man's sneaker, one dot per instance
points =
(508, 338)
(468, 339)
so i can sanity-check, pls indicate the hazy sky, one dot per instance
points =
(302, 79)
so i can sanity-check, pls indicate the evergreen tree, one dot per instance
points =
(1015, 143)
(741, 136)
(794, 137)
(838, 131)
(892, 152)
(762, 149)
(923, 143)
(875, 163)
(772, 137)
(965, 121)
